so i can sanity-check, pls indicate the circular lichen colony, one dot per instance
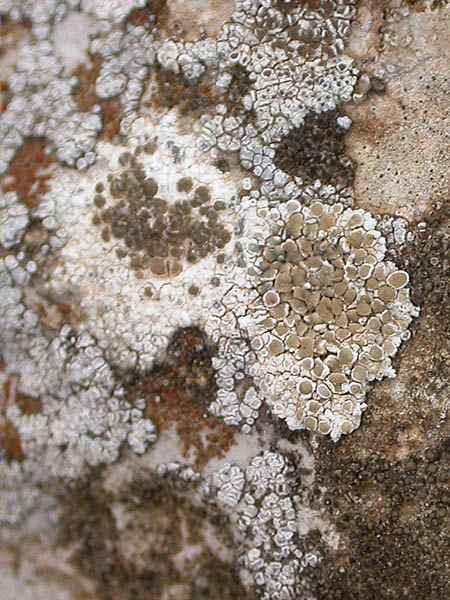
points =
(157, 233)
(329, 316)
(145, 241)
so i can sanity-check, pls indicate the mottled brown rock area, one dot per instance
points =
(373, 509)
(393, 516)
(149, 541)
(387, 486)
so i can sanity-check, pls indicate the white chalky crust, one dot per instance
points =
(133, 329)
(14, 219)
(265, 509)
(267, 517)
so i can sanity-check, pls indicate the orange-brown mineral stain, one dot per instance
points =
(4, 95)
(86, 98)
(140, 17)
(29, 172)
(420, 6)
(10, 442)
(84, 93)
(204, 434)
(12, 33)
(178, 392)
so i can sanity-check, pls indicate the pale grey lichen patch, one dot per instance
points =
(71, 38)
(14, 219)
(84, 419)
(230, 483)
(263, 501)
(324, 310)
(267, 44)
(112, 11)
(43, 102)
(43, 105)
(17, 497)
(126, 59)
(237, 401)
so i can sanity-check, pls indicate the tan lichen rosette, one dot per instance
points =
(330, 314)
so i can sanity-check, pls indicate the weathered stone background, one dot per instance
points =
(155, 443)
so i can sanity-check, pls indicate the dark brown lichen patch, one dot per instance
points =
(170, 90)
(149, 541)
(178, 392)
(157, 234)
(392, 517)
(30, 171)
(427, 258)
(316, 151)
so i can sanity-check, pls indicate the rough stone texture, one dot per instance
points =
(400, 138)
(224, 299)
